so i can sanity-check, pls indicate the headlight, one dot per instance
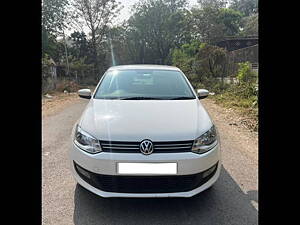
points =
(206, 141)
(86, 141)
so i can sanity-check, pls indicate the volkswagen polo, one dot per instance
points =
(145, 133)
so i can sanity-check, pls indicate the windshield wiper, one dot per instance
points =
(139, 98)
(181, 98)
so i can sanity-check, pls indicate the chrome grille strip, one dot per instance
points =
(167, 145)
(165, 148)
(120, 148)
(159, 146)
(126, 145)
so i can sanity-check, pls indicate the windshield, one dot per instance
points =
(138, 84)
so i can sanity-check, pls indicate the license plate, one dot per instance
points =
(147, 168)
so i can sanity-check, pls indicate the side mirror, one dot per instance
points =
(202, 93)
(85, 93)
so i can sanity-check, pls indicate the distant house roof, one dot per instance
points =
(234, 43)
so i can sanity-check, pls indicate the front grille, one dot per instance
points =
(146, 184)
(134, 147)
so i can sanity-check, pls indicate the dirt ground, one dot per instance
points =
(232, 123)
(58, 102)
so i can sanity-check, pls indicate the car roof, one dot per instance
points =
(144, 66)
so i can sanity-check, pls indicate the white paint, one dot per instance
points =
(136, 120)
(147, 168)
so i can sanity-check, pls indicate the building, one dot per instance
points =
(235, 43)
(241, 49)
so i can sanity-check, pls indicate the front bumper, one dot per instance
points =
(104, 164)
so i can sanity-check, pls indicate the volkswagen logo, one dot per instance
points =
(146, 147)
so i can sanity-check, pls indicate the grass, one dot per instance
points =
(246, 107)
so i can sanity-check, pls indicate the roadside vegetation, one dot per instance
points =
(242, 96)
(82, 38)
(203, 64)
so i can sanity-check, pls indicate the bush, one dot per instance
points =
(245, 74)
(70, 86)
(203, 64)
(47, 85)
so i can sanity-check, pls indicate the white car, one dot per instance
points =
(144, 133)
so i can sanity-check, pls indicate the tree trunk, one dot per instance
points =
(95, 54)
(66, 53)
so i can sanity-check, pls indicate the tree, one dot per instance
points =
(231, 19)
(184, 58)
(155, 28)
(54, 16)
(202, 63)
(51, 47)
(118, 45)
(48, 44)
(211, 61)
(212, 23)
(250, 25)
(54, 21)
(207, 27)
(217, 4)
(247, 7)
(96, 15)
(80, 45)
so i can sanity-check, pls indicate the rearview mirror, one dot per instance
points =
(202, 93)
(85, 93)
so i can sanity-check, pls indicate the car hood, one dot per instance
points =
(136, 120)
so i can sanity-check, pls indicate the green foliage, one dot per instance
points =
(245, 93)
(210, 61)
(158, 32)
(155, 28)
(181, 60)
(214, 22)
(54, 16)
(51, 47)
(191, 49)
(244, 98)
(45, 66)
(96, 16)
(231, 19)
(207, 27)
(245, 74)
(202, 63)
(184, 58)
(205, 64)
(247, 7)
(81, 47)
(212, 3)
(250, 25)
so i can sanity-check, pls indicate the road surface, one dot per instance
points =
(232, 200)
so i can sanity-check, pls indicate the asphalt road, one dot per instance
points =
(232, 200)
